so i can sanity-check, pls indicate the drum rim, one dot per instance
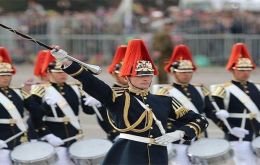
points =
(208, 157)
(53, 154)
(255, 150)
(93, 157)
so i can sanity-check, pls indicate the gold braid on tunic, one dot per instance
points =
(146, 115)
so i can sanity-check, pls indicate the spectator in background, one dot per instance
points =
(162, 46)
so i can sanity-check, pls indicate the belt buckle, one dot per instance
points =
(252, 115)
(151, 141)
(12, 121)
(66, 120)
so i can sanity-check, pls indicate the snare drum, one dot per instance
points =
(34, 153)
(210, 152)
(89, 151)
(256, 146)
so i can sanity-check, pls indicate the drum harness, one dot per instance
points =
(16, 117)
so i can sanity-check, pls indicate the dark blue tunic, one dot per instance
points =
(132, 152)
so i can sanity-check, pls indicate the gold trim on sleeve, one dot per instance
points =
(78, 72)
(194, 128)
(199, 129)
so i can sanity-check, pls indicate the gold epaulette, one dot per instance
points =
(39, 89)
(204, 89)
(21, 91)
(117, 91)
(179, 109)
(25, 94)
(164, 91)
(219, 90)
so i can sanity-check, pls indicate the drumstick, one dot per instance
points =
(98, 113)
(13, 137)
(243, 123)
(218, 109)
(72, 138)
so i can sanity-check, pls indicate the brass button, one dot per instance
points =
(151, 136)
(188, 94)
(151, 128)
(145, 98)
(63, 93)
(149, 145)
(247, 91)
(9, 96)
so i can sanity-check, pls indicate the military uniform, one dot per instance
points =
(239, 99)
(12, 126)
(54, 120)
(113, 69)
(112, 133)
(226, 97)
(11, 105)
(194, 97)
(162, 42)
(8, 125)
(57, 105)
(136, 113)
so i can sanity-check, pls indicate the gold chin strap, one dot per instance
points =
(147, 115)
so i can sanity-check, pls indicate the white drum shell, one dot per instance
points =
(34, 153)
(210, 151)
(256, 146)
(89, 151)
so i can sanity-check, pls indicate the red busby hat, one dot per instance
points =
(6, 67)
(181, 60)
(117, 60)
(39, 63)
(137, 61)
(4, 55)
(240, 58)
(50, 65)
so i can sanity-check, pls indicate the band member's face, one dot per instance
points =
(183, 77)
(241, 75)
(58, 77)
(5, 80)
(120, 80)
(141, 82)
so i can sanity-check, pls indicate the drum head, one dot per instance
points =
(256, 143)
(90, 148)
(208, 148)
(32, 152)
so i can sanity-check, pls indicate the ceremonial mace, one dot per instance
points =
(92, 68)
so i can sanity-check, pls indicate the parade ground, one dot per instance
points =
(207, 76)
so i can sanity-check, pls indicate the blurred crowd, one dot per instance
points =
(144, 19)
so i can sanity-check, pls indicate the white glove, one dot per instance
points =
(222, 114)
(50, 101)
(53, 140)
(3, 144)
(170, 137)
(239, 132)
(90, 101)
(59, 54)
